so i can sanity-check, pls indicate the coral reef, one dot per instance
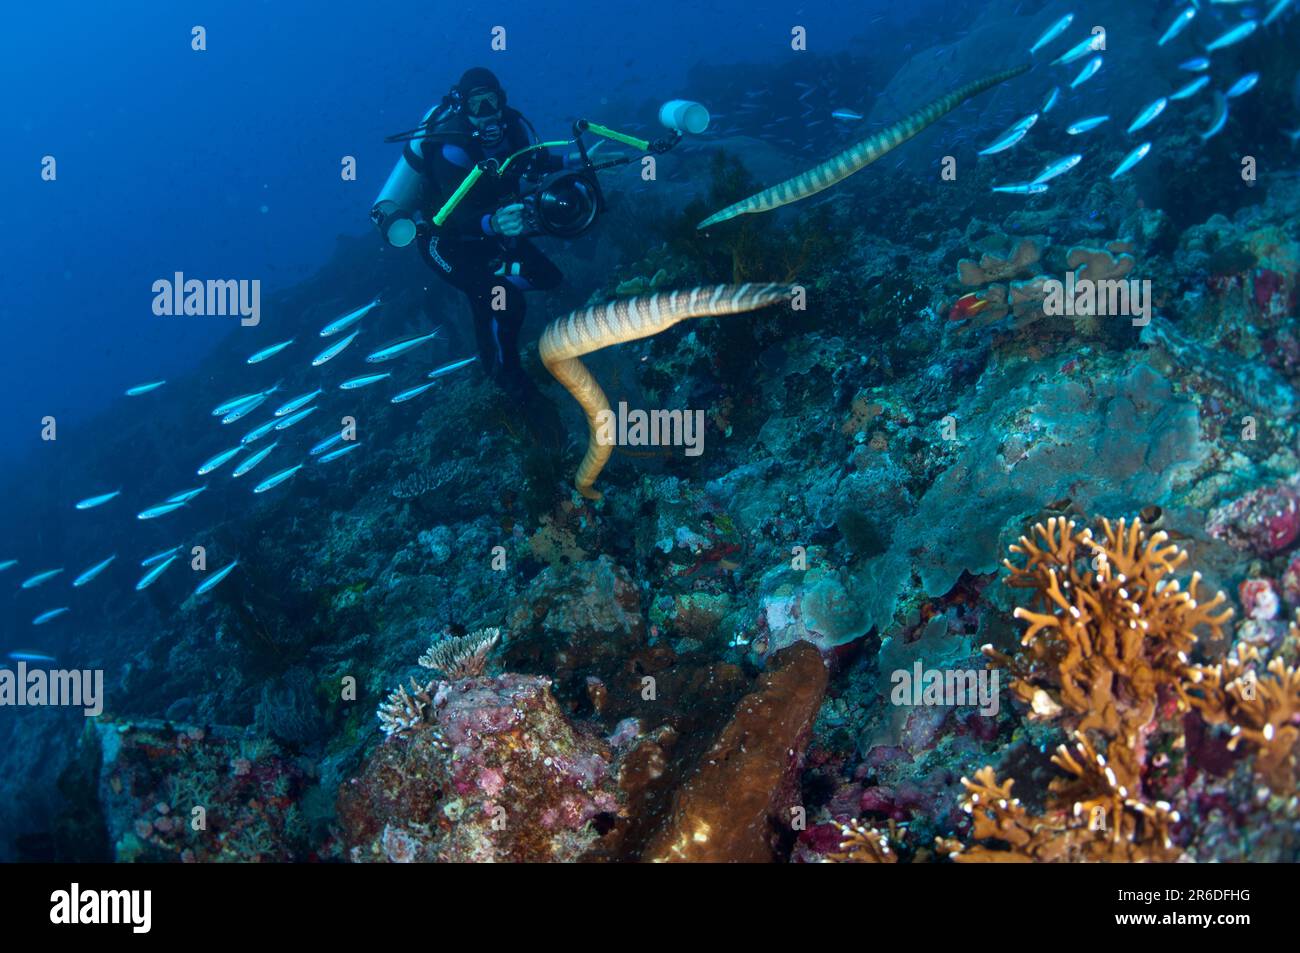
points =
(491, 771)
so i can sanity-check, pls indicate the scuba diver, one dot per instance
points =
(483, 249)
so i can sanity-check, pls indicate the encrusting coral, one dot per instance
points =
(566, 339)
(990, 268)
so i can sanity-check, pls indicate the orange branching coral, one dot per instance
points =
(1092, 817)
(865, 844)
(1109, 625)
(1264, 711)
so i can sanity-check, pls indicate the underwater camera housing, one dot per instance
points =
(564, 204)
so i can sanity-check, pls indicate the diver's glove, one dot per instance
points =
(508, 220)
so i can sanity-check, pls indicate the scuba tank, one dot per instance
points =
(403, 194)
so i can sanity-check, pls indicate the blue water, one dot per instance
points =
(225, 163)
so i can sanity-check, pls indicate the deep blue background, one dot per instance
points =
(225, 163)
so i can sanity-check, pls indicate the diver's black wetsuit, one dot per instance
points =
(466, 252)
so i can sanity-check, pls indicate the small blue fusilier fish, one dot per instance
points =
(335, 454)
(139, 389)
(157, 557)
(93, 501)
(45, 617)
(239, 403)
(1022, 188)
(1179, 24)
(1052, 32)
(398, 348)
(1011, 136)
(162, 509)
(349, 319)
(1092, 44)
(271, 351)
(334, 350)
(1059, 167)
(326, 444)
(93, 571)
(845, 115)
(289, 421)
(364, 380)
(34, 581)
(1220, 117)
(149, 578)
(290, 406)
(276, 479)
(1233, 36)
(453, 366)
(1130, 160)
(184, 496)
(207, 585)
(254, 460)
(257, 433)
(1087, 73)
(22, 655)
(220, 459)
(409, 393)
(1198, 64)
(7, 564)
(1191, 89)
(1276, 11)
(1243, 85)
(1146, 116)
(1051, 99)
(1084, 125)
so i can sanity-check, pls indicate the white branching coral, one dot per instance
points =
(403, 710)
(454, 657)
(463, 656)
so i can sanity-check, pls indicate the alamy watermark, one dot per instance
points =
(216, 296)
(60, 687)
(950, 688)
(1104, 297)
(654, 428)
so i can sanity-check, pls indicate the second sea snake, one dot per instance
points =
(844, 164)
(566, 339)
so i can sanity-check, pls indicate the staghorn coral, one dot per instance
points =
(1110, 624)
(1091, 817)
(566, 339)
(859, 156)
(991, 268)
(1263, 711)
(461, 657)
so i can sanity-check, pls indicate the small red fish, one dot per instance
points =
(967, 306)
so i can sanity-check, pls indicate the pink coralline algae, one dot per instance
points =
(1264, 521)
(1259, 599)
(494, 772)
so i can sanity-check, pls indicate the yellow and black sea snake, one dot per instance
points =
(844, 164)
(566, 339)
